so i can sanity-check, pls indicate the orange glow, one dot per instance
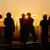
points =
(26, 17)
(18, 7)
(33, 16)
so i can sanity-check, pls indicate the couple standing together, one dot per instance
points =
(26, 27)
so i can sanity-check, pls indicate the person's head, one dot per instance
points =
(0, 16)
(8, 15)
(29, 15)
(45, 17)
(23, 15)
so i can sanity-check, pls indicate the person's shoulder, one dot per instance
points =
(41, 21)
(5, 19)
(20, 19)
(11, 18)
(31, 19)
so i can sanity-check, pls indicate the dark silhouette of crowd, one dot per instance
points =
(26, 28)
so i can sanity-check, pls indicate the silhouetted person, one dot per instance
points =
(44, 30)
(49, 20)
(9, 28)
(30, 27)
(49, 27)
(22, 27)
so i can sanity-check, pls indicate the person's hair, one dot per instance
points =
(29, 14)
(45, 17)
(23, 15)
(8, 15)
